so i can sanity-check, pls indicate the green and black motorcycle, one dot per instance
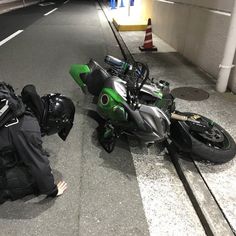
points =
(131, 103)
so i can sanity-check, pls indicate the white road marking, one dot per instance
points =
(10, 37)
(167, 207)
(46, 14)
(46, 4)
(66, 1)
(221, 12)
(148, 41)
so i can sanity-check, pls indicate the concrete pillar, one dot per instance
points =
(229, 53)
(128, 7)
(232, 80)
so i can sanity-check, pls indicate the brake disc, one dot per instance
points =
(214, 135)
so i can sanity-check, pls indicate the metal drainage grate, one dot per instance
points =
(190, 94)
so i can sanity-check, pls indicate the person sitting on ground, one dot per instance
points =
(24, 165)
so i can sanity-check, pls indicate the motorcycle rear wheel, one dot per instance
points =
(215, 146)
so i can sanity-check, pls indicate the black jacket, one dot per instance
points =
(25, 137)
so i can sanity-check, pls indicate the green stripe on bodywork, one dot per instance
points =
(113, 110)
(76, 70)
(113, 94)
(159, 94)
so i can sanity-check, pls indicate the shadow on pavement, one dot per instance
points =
(120, 159)
(26, 208)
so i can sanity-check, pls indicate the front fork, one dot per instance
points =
(186, 126)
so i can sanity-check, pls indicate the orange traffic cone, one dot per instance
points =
(148, 45)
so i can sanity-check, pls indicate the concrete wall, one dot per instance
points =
(223, 5)
(147, 7)
(196, 28)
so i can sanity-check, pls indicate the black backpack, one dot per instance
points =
(11, 106)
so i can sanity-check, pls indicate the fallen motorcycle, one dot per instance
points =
(131, 103)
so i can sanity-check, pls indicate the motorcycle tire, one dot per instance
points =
(203, 150)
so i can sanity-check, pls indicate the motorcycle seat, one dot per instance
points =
(95, 80)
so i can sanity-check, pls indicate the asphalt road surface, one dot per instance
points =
(103, 195)
(107, 193)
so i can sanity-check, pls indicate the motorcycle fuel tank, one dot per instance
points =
(109, 105)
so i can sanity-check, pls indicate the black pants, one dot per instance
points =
(16, 184)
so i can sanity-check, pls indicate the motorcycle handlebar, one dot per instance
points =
(117, 63)
(123, 67)
(144, 69)
(129, 71)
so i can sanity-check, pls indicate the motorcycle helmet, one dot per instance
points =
(58, 115)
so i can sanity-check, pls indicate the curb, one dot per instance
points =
(124, 49)
(129, 27)
(210, 214)
(203, 201)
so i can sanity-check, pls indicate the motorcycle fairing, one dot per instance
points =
(152, 90)
(156, 119)
(147, 125)
(78, 73)
(120, 88)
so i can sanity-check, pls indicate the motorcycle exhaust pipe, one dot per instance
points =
(175, 116)
(179, 117)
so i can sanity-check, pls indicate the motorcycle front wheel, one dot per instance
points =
(215, 145)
